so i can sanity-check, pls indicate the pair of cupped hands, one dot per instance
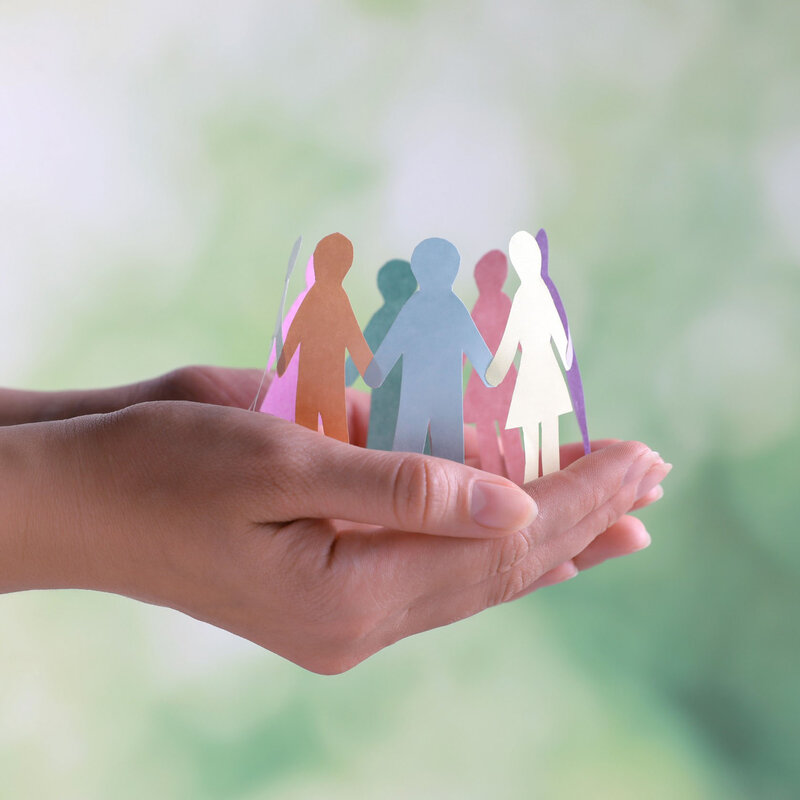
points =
(170, 492)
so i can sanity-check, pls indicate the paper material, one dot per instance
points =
(279, 317)
(281, 395)
(488, 407)
(574, 381)
(324, 328)
(540, 394)
(431, 334)
(396, 284)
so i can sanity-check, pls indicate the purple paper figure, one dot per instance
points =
(281, 397)
(432, 333)
(488, 408)
(574, 381)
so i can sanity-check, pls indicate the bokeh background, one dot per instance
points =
(157, 161)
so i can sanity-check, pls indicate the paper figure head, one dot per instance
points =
(491, 272)
(434, 263)
(525, 255)
(396, 282)
(332, 258)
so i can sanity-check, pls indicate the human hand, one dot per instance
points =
(319, 551)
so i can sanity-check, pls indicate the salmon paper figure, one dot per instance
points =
(488, 407)
(540, 394)
(324, 328)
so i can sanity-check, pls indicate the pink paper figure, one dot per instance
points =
(486, 407)
(280, 399)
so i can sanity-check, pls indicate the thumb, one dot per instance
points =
(325, 478)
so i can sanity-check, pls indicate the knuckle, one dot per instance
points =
(510, 551)
(508, 586)
(421, 492)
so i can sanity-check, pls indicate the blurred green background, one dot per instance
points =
(157, 160)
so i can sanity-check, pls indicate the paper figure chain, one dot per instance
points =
(413, 350)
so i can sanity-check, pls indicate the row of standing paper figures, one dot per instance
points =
(413, 349)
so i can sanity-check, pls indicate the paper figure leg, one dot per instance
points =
(513, 455)
(382, 418)
(447, 437)
(531, 441)
(551, 455)
(334, 418)
(411, 432)
(306, 415)
(491, 460)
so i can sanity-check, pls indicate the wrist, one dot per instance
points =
(43, 536)
(19, 407)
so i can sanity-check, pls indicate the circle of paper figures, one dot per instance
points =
(413, 350)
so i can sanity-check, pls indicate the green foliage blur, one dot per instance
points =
(157, 164)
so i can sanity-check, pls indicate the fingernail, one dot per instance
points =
(654, 476)
(495, 505)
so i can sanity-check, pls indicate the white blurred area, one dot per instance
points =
(101, 107)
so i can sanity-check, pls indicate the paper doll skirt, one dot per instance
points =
(527, 411)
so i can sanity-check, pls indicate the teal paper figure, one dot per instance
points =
(396, 284)
(432, 333)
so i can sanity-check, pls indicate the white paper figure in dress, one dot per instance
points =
(540, 394)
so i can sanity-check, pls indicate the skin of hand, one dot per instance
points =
(320, 551)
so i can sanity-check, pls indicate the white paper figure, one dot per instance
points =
(540, 394)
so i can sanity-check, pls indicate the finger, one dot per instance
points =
(653, 496)
(571, 452)
(316, 476)
(575, 506)
(358, 410)
(624, 538)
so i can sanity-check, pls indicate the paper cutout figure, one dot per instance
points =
(540, 393)
(396, 284)
(574, 381)
(324, 328)
(488, 407)
(276, 335)
(281, 397)
(431, 334)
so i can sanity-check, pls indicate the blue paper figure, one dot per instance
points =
(396, 284)
(432, 333)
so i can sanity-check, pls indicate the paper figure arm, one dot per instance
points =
(562, 341)
(506, 350)
(371, 334)
(292, 340)
(475, 348)
(357, 345)
(388, 353)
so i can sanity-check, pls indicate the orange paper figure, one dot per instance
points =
(488, 408)
(540, 393)
(324, 328)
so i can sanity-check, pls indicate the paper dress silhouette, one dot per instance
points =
(396, 284)
(281, 395)
(431, 334)
(324, 328)
(488, 407)
(540, 394)
(574, 381)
